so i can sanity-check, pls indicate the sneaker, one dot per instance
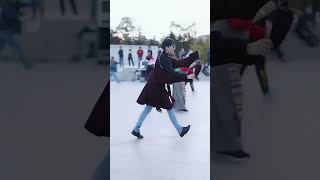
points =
(137, 134)
(184, 130)
(239, 154)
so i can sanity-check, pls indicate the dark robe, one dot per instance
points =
(100, 115)
(154, 92)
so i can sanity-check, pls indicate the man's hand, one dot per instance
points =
(191, 76)
(265, 11)
(194, 63)
(261, 47)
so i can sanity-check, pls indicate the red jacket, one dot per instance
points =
(140, 52)
(255, 32)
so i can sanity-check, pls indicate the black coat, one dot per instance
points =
(154, 92)
(98, 122)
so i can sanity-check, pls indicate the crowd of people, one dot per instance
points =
(143, 68)
(138, 57)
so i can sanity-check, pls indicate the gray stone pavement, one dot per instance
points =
(280, 131)
(162, 154)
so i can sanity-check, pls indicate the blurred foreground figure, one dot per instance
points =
(240, 38)
(11, 29)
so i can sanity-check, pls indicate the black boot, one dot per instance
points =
(239, 154)
(137, 134)
(184, 130)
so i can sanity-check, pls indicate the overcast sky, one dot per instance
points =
(155, 16)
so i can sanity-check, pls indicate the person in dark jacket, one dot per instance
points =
(154, 94)
(120, 53)
(130, 59)
(226, 119)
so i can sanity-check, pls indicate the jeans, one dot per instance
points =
(148, 109)
(7, 37)
(113, 74)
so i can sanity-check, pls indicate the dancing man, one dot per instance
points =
(155, 94)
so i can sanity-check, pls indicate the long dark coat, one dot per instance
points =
(154, 92)
(99, 119)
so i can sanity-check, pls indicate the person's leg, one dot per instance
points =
(236, 88)
(278, 53)
(42, 7)
(174, 121)
(74, 6)
(243, 69)
(179, 90)
(262, 75)
(224, 122)
(122, 63)
(62, 7)
(11, 40)
(142, 117)
(121, 59)
(102, 172)
(113, 74)
(132, 61)
(191, 85)
(184, 93)
(93, 12)
(176, 96)
(116, 77)
(139, 59)
(129, 62)
(3, 41)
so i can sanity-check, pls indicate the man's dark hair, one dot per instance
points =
(167, 42)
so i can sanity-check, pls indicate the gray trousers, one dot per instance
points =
(179, 94)
(225, 121)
